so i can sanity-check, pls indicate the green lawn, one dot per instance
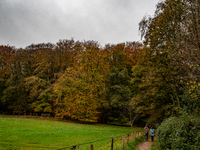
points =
(29, 133)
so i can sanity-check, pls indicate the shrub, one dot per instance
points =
(179, 133)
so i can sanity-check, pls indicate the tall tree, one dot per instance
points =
(172, 46)
(80, 90)
(6, 54)
(121, 95)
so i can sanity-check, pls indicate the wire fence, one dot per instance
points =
(101, 144)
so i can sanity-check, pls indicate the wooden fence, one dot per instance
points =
(124, 140)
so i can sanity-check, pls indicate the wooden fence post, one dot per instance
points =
(123, 142)
(128, 137)
(112, 141)
(91, 147)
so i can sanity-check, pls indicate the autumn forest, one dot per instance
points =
(72, 79)
(127, 83)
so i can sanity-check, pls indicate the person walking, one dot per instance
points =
(146, 132)
(152, 133)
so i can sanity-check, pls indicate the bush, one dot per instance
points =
(179, 133)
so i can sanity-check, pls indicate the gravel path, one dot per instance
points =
(145, 145)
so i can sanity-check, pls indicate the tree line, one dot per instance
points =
(70, 79)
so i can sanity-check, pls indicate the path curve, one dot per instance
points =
(145, 145)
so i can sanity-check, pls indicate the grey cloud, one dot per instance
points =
(24, 22)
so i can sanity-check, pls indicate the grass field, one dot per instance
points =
(30, 133)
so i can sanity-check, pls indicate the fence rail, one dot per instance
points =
(123, 138)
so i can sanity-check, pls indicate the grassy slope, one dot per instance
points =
(34, 133)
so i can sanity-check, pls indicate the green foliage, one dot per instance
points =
(179, 133)
(151, 90)
(121, 97)
(190, 102)
(120, 88)
(3, 104)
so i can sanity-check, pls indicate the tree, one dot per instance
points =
(81, 89)
(15, 94)
(6, 54)
(121, 97)
(73, 97)
(171, 48)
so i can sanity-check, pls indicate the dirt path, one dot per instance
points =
(145, 145)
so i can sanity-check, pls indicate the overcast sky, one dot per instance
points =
(23, 22)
